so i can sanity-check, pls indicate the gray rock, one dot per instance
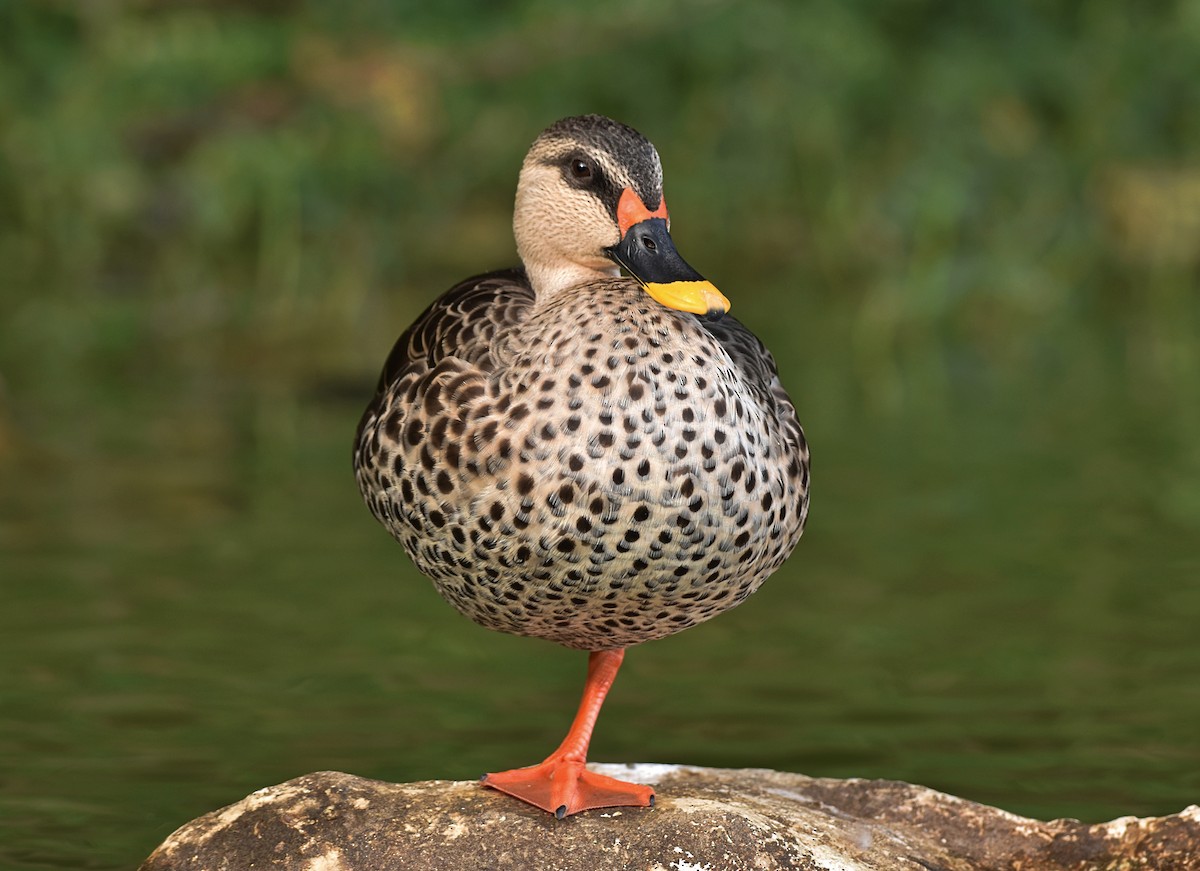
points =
(705, 820)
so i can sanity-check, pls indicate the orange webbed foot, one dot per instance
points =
(564, 787)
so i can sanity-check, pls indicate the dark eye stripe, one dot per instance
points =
(582, 171)
(596, 182)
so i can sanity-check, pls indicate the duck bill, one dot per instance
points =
(648, 254)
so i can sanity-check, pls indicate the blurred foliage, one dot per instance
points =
(303, 176)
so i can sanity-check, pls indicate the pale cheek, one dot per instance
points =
(583, 229)
(554, 222)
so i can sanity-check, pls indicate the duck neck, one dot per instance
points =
(547, 280)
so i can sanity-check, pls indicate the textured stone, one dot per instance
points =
(705, 820)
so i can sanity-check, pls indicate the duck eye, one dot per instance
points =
(581, 170)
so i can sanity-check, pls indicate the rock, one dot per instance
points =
(705, 820)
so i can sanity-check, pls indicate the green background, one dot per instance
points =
(970, 233)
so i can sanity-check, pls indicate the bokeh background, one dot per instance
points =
(970, 232)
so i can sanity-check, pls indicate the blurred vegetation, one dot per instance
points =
(203, 179)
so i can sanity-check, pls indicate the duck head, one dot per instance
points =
(589, 201)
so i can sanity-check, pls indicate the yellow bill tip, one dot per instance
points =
(697, 297)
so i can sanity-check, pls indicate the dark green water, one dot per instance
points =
(998, 596)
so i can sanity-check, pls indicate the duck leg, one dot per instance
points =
(562, 784)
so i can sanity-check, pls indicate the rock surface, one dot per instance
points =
(705, 820)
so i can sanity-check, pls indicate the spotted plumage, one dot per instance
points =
(565, 456)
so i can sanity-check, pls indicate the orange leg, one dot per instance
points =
(561, 784)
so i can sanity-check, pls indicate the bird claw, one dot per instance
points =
(564, 787)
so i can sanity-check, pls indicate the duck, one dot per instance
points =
(586, 449)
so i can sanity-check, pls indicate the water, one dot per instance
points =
(997, 596)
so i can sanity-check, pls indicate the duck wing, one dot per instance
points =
(761, 377)
(461, 323)
(443, 360)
